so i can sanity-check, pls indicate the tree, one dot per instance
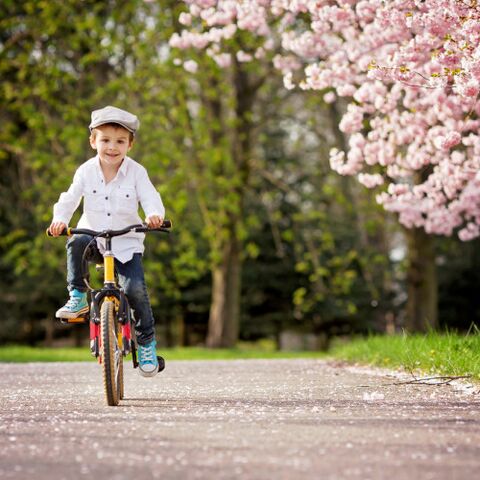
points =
(410, 65)
(228, 108)
(372, 52)
(59, 61)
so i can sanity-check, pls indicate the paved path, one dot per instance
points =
(251, 419)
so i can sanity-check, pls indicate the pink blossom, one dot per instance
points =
(470, 232)
(468, 89)
(185, 19)
(352, 120)
(337, 158)
(243, 56)
(223, 60)
(346, 90)
(203, 4)
(260, 53)
(286, 63)
(329, 97)
(370, 181)
(190, 66)
(450, 140)
(287, 81)
(409, 68)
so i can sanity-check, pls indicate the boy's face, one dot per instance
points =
(112, 144)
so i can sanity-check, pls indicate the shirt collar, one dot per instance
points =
(123, 170)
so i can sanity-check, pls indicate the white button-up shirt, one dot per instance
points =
(112, 205)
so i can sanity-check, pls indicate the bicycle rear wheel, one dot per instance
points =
(112, 358)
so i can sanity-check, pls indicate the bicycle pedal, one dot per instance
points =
(73, 320)
(161, 363)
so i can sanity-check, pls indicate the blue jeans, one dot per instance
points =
(130, 277)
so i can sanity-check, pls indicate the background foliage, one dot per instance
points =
(319, 256)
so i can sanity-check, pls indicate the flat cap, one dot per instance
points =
(111, 114)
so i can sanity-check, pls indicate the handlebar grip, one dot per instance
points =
(167, 224)
(65, 232)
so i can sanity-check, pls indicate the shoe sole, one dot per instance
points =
(148, 374)
(72, 314)
(160, 368)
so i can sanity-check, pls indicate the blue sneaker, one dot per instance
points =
(147, 359)
(75, 307)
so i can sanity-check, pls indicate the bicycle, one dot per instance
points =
(110, 316)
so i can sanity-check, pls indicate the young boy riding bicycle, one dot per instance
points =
(112, 185)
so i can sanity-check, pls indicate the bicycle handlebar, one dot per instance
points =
(138, 228)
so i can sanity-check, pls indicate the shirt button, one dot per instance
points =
(108, 214)
(94, 191)
(106, 198)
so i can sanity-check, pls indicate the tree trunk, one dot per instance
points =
(224, 320)
(422, 303)
(49, 331)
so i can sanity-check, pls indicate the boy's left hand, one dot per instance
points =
(154, 221)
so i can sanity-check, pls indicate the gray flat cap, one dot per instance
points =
(114, 115)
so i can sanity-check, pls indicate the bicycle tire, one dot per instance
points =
(120, 380)
(112, 358)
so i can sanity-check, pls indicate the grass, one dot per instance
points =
(22, 354)
(448, 354)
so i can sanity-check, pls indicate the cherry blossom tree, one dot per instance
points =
(410, 70)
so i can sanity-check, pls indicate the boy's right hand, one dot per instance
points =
(56, 228)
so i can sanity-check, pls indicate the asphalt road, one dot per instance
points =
(250, 419)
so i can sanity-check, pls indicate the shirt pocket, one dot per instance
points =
(127, 201)
(93, 200)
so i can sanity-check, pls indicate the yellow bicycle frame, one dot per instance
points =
(109, 266)
(109, 279)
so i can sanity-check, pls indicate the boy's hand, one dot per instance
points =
(56, 228)
(154, 221)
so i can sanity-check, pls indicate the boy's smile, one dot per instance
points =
(112, 144)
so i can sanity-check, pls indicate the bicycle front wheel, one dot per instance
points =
(112, 358)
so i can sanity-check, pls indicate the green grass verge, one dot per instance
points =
(447, 354)
(22, 354)
(434, 353)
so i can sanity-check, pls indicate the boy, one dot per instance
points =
(111, 185)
